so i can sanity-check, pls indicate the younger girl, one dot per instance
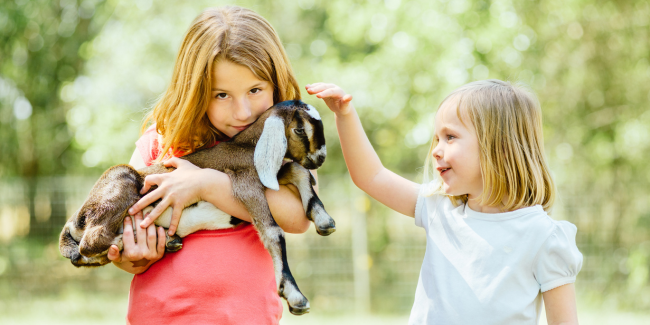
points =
(231, 67)
(493, 253)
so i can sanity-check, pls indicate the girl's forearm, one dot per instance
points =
(367, 171)
(285, 204)
(361, 159)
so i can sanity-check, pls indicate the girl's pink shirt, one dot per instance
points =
(219, 277)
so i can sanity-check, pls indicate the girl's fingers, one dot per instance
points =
(161, 242)
(114, 254)
(127, 237)
(176, 218)
(347, 98)
(315, 88)
(150, 181)
(155, 213)
(174, 162)
(312, 86)
(152, 237)
(145, 201)
(333, 93)
(140, 234)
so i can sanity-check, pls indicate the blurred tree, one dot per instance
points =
(41, 47)
(72, 98)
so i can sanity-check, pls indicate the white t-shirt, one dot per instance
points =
(489, 268)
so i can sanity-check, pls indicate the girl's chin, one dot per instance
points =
(450, 191)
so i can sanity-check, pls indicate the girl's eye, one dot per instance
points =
(255, 90)
(450, 137)
(299, 131)
(222, 95)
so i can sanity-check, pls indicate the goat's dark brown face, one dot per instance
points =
(69, 246)
(305, 137)
(89, 233)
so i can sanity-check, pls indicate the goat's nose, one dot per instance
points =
(321, 159)
(75, 258)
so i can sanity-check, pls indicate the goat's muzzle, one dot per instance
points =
(315, 159)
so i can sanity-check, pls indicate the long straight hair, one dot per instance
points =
(226, 33)
(508, 123)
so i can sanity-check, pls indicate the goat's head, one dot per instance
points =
(294, 130)
(97, 225)
(69, 240)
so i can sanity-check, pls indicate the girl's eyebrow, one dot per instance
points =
(259, 84)
(445, 129)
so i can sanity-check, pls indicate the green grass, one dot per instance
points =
(78, 308)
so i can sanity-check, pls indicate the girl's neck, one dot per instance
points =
(475, 205)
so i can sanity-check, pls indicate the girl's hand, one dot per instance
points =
(178, 189)
(140, 251)
(335, 97)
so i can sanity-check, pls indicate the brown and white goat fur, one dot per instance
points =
(253, 159)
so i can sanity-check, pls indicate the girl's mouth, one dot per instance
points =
(443, 170)
(242, 128)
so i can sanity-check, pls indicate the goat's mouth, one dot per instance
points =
(79, 260)
(311, 163)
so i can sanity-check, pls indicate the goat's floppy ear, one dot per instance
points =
(96, 240)
(270, 150)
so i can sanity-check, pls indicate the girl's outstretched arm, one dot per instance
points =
(560, 304)
(365, 168)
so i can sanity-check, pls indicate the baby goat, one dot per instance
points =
(253, 160)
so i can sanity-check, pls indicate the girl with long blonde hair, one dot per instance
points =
(231, 67)
(493, 253)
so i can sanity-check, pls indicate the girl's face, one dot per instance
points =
(238, 97)
(457, 154)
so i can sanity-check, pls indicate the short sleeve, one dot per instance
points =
(148, 145)
(419, 206)
(559, 260)
(426, 204)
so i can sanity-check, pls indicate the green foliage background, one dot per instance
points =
(77, 76)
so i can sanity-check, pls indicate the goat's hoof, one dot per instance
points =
(299, 310)
(174, 245)
(325, 231)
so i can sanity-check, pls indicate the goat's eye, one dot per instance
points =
(299, 131)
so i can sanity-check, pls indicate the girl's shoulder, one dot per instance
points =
(149, 145)
(558, 260)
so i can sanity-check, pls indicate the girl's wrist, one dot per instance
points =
(345, 113)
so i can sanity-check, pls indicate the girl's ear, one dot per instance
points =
(270, 150)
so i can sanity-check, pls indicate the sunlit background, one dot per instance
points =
(77, 76)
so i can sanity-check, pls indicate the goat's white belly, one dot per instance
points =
(203, 216)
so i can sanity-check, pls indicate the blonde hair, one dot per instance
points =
(228, 33)
(508, 123)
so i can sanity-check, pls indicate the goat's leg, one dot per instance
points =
(249, 190)
(294, 173)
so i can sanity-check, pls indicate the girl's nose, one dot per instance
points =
(242, 110)
(437, 152)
